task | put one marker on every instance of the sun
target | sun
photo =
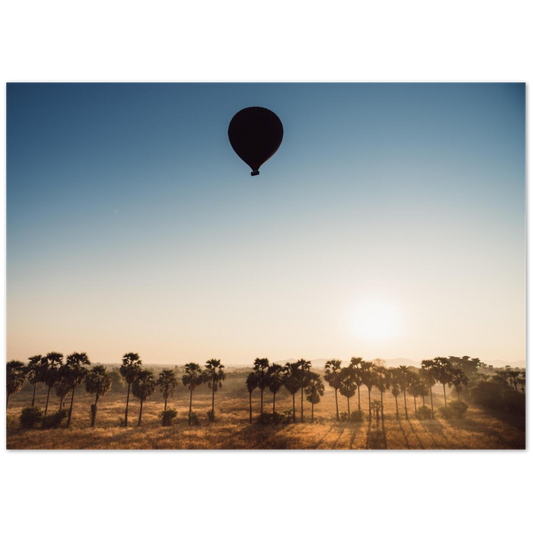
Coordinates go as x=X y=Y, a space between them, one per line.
x=376 y=321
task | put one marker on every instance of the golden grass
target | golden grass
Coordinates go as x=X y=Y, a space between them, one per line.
x=232 y=430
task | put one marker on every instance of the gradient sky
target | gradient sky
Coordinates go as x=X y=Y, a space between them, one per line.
x=133 y=226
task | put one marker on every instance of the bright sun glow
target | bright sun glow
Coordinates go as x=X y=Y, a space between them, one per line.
x=377 y=321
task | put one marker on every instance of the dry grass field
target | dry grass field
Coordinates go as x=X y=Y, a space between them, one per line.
x=232 y=430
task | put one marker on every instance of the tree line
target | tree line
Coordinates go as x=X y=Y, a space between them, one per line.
x=298 y=378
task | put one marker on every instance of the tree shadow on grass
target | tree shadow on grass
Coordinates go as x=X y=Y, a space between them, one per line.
x=421 y=446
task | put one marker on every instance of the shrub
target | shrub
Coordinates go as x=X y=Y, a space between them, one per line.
x=210 y=416
x=275 y=418
x=514 y=401
x=167 y=417
x=30 y=417
x=356 y=416
x=423 y=413
x=489 y=394
x=453 y=410
x=54 y=420
x=195 y=419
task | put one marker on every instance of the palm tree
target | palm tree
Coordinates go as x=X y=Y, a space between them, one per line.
x=143 y=387
x=459 y=379
x=261 y=368
x=251 y=385
x=275 y=382
x=15 y=377
x=192 y=378
x=404 y=377
x=427 y=374
x=129 y=369
x=333 y=378
x=368 y=380
x=443 y=372
x=417 y=388
x=167 y=383
x=290 y=382
x=35 y=374
x=98 y=382
x=313 y=391
x=62 y=385
x=214 y=376
x=348 y=385
x=303 y=376
x=356 y=367
x=382 y=381
x=51 y=365
x=76 y=364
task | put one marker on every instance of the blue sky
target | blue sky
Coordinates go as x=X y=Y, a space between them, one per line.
x=132 y=224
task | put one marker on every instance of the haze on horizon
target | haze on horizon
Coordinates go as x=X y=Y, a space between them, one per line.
x=390 y=223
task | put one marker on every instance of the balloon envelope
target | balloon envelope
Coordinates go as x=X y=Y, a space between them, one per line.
x=255 y=133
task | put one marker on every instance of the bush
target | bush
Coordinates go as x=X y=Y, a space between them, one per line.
x=30 y=417
x=195 y=419
x=356 y=416
x=488 y=394
x=210 y=416
x=54 y=420
x=423 y=413
x=167 y=417
x=514 y=401
x=453 y=410
x=275 y=418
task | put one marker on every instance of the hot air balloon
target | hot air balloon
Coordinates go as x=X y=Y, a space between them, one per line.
x=255 y=133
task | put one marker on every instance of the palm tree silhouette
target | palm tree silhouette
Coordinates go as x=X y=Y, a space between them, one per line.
x=333 y=378
x=275 y=382
x=367 y=378
x=347 y=385
x=35 y=374
x=251 y=385
x=302 y=376
x=443 y=372
x=427 y=374
x=51 y=365
x=62 y=385
x=76 y=371
x=167 y=383
x=404 y=377
x=459 y=379
x=130 y=368
x=143 y=387
x=15 y=377
x=356 y=368
x=261 y=368
x=382 y=380
x=98 y=382
x=214 y=376
x=291 y=383
x=313 y=391
x=192 y=378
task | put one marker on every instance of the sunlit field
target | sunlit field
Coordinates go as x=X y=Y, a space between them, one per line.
x=479 y=429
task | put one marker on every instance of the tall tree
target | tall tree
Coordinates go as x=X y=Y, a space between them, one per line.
x=382 y=381
x=395 y=387
x=192 y=378
x=261 y=368
x=275 y=382
x=167 y=383
x=348 y=385
x=459 y=380
x=76 y=364
x=214 y=376
x=62 y=385
x=303 y=376
x=313 y=391
x=417 y=388
x=98 y=382
x=368 y=380
x=333 y=378
x=427 y=374
x=291 y=383
x=15 y=377
x=142 y=388
x=51 y=365
x=35 y=374
x=443 y=372
x=356 y=369
x=404 y=377
x=129 y=369
x=251 y=385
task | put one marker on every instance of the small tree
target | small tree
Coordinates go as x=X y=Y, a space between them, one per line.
x=130 y=368
x=98 y=382
x=76 y=364
x=192 y=378
x=167 y=383
x=275 y=382
x=251 y=385
x=35 y=374
x=142 y=388
x=214 y=375
x=333 y=378
x=15 y=377
x=313 y=392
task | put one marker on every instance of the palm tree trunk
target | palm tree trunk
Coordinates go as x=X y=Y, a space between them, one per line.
x=47 y=398
x=369 y=405
x=274 y=403
x=381 y=399
x=444 y=388
x=294 y=408
x=33 y=397
x=213 y=403
x=71 y=405
x=140 y=414
x=93 y=421
x=302 y=404
x=250 y=394
x=261 y=401
x=312 y=412
x=431 y=399
x=423 y=400
x=166 y=398
x=190 y=407
x=416 y=410
x=7 y=400
x=397 y=412
x=405 y=405
x=358 y=397
x=127 y=405
x=348 y=398
x=337 y=404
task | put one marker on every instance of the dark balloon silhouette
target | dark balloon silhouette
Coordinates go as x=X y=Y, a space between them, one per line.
x=255 y=133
